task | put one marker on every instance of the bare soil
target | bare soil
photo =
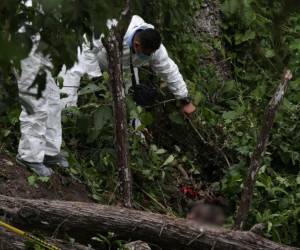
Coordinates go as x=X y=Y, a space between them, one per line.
x=14 y=183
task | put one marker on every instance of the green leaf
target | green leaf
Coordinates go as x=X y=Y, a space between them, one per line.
x=229 y=86
x=176 y=118
x=231 y=115
x=91 y=88
x=259 y=92
x=169 y=160
x=244 y=37
x=230 y=7
x=146 y=172
x=298 y=180
x=147 y=118
x=43 y=178
x=198 y=97
x=161 y=151
x=153 y=147
x=6 y=132
x=269 y=53
x=270 y=225
x=60 y=81
x=295 y=45
x=32 y=180
x=102 y=116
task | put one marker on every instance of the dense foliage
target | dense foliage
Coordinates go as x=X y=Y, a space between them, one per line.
x=260 y=39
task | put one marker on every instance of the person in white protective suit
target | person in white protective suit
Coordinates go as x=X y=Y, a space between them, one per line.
x=41 y=132
x=72 y=77
x=143 y=44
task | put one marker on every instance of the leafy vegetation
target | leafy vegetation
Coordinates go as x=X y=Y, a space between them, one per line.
x=260 y=39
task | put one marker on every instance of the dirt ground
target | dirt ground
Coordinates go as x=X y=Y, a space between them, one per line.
x=14 y=182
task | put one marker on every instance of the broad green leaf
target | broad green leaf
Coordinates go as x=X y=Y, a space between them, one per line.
x=298 y=180
x=169 y=160
x=295 y=45
x=198 y=97
x=269 y=53
x=60 y=81
x=248 y=35
x=102 y=116
x=147 y=118
x=43 y=178
x=32 y=180
x=176 y=118
x=231 y=115
x=230 y=7
x=91 y=88
x=161 y=151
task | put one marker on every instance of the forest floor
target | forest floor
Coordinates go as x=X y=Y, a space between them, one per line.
x=14 y=182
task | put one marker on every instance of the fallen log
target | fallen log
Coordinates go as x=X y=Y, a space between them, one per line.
x=84 y=220
x=9 y=241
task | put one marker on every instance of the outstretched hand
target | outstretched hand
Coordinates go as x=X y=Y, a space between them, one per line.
x=188 y=109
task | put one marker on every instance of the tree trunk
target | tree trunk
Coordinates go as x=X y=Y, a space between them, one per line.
x=9 y=241
x=259 y=151
x=84 y=220
x=207 y=27
x=112 y=46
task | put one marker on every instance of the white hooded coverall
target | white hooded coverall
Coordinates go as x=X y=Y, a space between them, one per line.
x=41 y=128
x=93 y=61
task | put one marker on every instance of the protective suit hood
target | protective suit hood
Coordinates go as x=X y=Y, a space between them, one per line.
x=137 y=23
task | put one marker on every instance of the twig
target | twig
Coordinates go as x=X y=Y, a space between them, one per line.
x=163 y=195
x=183 y=172
x=162 y=103
x=197 y=237
x=113 y=193
x=54 y=235
x=196 y=130
x=209 y=143
x=162 y=228
x=213 y=246
x=155 y=200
